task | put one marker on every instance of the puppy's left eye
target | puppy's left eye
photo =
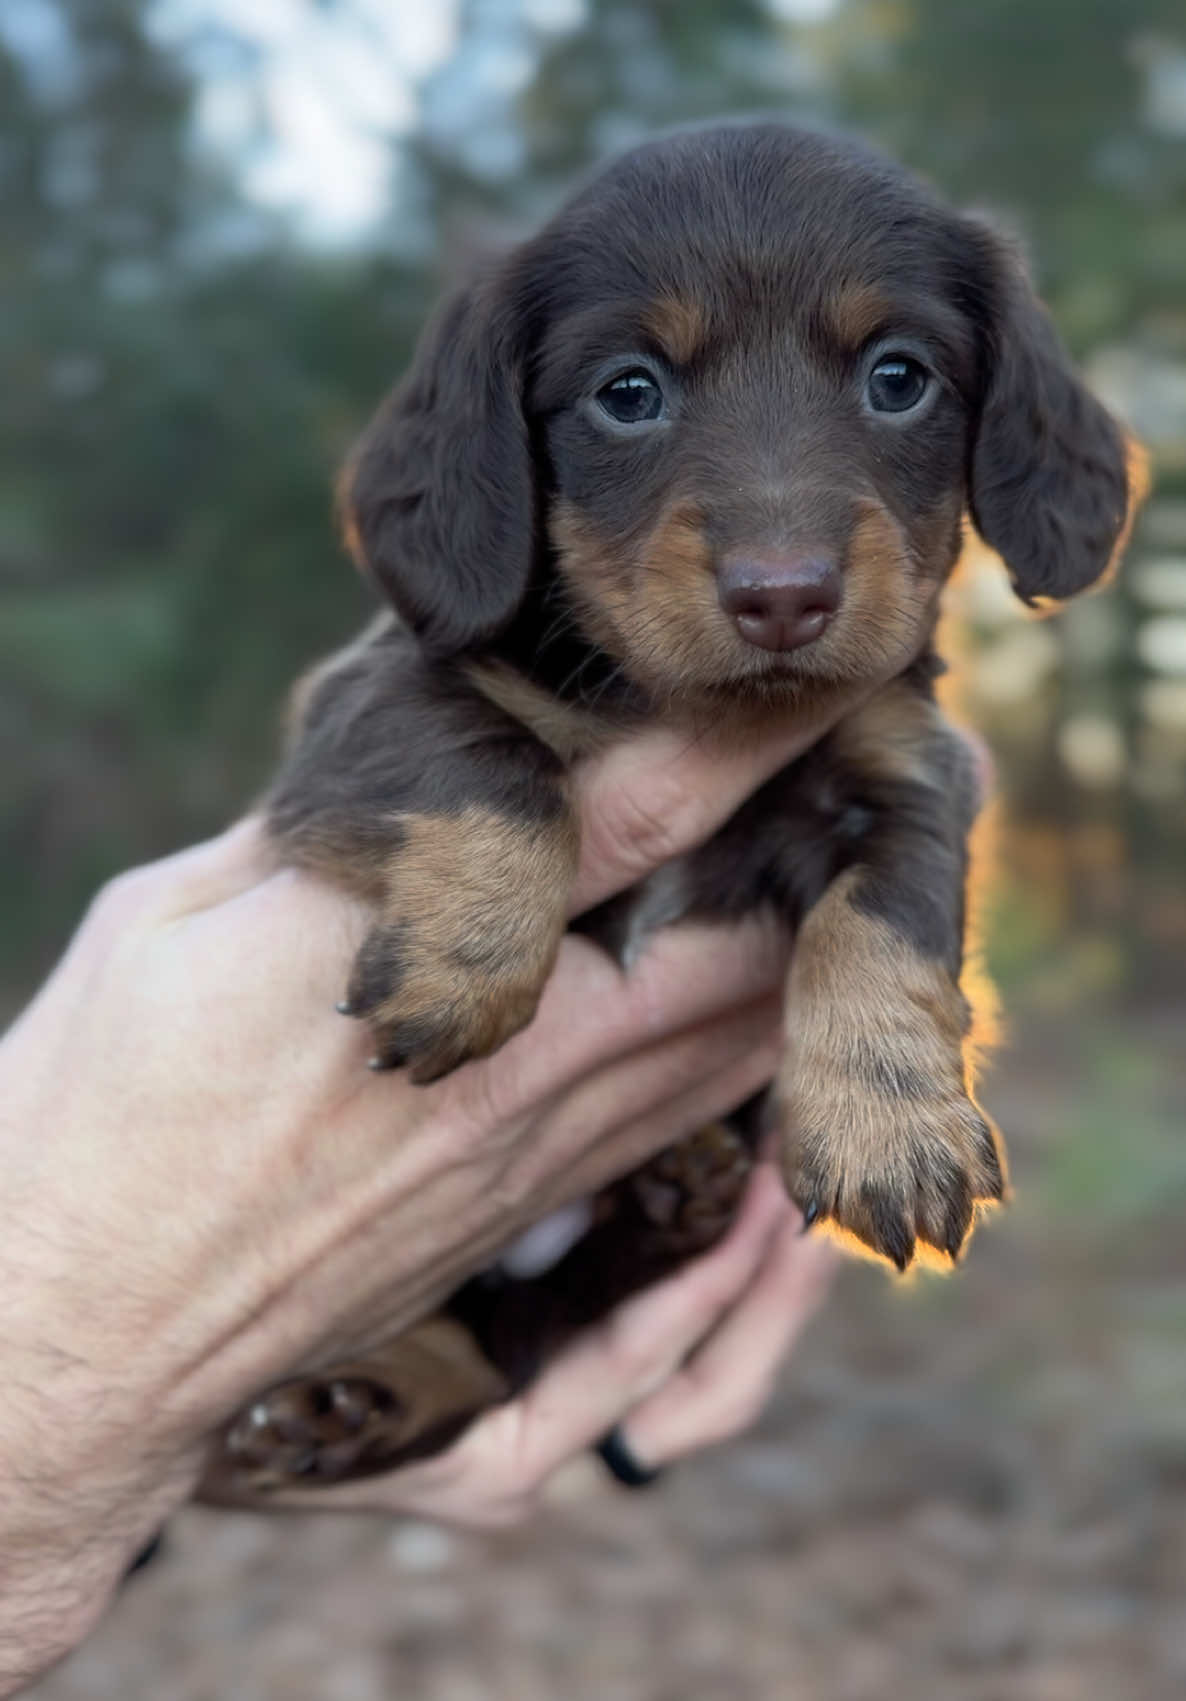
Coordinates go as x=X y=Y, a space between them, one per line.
x=634 y=398
x=897 y=383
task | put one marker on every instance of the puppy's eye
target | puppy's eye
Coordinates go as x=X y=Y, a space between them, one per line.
x=633 y=399
x=896 y=384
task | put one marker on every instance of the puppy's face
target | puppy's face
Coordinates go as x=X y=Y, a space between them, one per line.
x=728 y=410
x=757 y=439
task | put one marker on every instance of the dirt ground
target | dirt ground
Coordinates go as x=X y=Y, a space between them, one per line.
x=973 y=1489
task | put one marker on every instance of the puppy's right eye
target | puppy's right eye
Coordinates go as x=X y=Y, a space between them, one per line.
x=634 y=398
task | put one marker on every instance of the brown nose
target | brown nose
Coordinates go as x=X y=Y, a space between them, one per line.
x=779 y=603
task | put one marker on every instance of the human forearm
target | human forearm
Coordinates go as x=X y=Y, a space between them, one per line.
x=205 y=1189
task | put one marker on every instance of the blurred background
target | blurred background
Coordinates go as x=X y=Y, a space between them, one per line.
x=223 y=221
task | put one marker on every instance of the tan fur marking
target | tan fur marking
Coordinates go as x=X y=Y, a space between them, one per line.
x=1139 y=477
x=887 y=737
x=566 y=728
x=866 y=1010
x=436 y=1374
x=679 y=325
x=678 y=622
x=344 y=510
x=655 y=609
x=658 y=614
x=888 y=608
x=476 y=907
x=599 y=579
x=856 y=312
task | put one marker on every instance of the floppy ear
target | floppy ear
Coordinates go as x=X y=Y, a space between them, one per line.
x=1048 y=485
x=437 y=500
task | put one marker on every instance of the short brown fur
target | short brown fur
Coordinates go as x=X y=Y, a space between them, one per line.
x=874 y=1094
x=857 y=312
x=679 y=325
x=468 y=928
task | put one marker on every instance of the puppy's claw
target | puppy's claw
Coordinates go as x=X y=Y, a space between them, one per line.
x=959 y=1221
x=992 y=1163
x=897 y=1242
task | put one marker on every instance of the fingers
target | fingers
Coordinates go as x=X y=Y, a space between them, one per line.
x=681 y=1366
x=592 y=1015
x=743 y=1069
x=493 y=1475
x=645 y=801
x=724 y=1386
x=641 y=1345
x=617 y=1120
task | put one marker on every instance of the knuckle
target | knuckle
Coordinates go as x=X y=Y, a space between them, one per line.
x=122 y=898
x=641 y=832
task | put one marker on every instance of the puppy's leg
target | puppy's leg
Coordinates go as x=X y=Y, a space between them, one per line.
x=861 y=847
x=879 y=1130
x=401 y=1402
x=407 y=786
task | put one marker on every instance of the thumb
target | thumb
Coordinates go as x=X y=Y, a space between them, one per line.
x=665 y=791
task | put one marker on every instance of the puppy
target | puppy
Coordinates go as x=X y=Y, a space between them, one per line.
x=700 y=450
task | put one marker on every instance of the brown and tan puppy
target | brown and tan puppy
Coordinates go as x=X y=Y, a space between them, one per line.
x=700 y=450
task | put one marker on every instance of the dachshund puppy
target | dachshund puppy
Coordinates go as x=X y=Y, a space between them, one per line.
x=702 y=449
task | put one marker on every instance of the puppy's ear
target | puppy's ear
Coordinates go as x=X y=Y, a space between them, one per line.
x=1048 y=487
x=437 y=500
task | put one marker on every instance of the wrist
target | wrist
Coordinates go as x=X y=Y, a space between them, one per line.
x=81 y=1493
x=85 y=1476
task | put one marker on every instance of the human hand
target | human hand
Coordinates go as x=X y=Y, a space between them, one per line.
x=679 y=1367
x=207 y=1190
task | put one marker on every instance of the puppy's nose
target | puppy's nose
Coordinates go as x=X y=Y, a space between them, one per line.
x=779 y=602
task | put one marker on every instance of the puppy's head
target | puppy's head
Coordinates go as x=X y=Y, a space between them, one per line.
x=729 y=408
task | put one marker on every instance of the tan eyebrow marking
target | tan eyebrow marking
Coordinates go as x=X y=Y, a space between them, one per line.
x=679 y=325
x=856 y=312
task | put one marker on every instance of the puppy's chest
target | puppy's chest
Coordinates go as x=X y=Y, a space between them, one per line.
x=778 y=851
x=777 y=854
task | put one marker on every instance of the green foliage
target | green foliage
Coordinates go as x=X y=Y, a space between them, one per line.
x=1039 y=108
x=1117 y=1157
x=180 y=378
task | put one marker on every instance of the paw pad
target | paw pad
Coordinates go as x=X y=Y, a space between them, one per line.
x=312 y=1429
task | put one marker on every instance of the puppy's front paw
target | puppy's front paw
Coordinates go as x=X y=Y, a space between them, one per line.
x=435 y=1003
x=896 y=1172
x=879 y=1133
x=473 y=915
